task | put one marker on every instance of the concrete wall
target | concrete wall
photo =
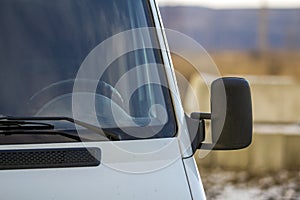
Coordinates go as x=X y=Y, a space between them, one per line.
x=276 y=139
x=275 y=99
x=268 y=152
x=276 y=102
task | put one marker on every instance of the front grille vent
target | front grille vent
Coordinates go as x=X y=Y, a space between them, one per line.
x=49 y=158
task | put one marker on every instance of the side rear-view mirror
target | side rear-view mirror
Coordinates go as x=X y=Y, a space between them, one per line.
x=231 y=116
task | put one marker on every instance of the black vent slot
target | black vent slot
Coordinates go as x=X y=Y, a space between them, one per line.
x=49 y=158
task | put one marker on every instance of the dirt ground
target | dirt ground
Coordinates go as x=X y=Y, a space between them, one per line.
x=224 y=184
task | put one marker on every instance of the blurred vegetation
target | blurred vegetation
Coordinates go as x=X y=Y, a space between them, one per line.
x=278 y=63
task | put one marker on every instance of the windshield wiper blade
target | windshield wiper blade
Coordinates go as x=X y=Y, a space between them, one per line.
x=37 y=118
x=23 y=125
x=107 y=134
x=31 y=132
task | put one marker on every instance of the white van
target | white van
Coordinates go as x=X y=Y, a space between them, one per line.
x=90 y=109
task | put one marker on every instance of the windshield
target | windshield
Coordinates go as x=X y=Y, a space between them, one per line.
x=45 y=47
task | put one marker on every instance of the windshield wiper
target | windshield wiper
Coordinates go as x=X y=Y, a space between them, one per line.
x=39 y=126
x=24 y=125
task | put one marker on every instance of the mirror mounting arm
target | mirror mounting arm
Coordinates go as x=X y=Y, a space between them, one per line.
x=196 y=129
x=200 y=116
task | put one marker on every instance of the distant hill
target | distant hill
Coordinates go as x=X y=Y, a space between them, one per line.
x=236 y=29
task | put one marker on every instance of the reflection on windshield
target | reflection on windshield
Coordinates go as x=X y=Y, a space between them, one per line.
x=43 y=45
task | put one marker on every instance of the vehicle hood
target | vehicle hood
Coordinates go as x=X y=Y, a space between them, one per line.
x=145 y=169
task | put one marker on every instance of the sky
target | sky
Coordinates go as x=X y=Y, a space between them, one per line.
x=234 y=3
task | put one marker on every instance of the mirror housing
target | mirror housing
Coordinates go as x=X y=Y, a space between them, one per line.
x=231 y=115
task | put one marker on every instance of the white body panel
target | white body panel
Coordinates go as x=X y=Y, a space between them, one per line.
x=194 y=179
x=160 y=176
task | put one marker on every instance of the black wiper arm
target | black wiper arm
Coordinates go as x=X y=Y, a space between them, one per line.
x=47 y=132
x=37 y=118
x=109 y=135
x=24 y=125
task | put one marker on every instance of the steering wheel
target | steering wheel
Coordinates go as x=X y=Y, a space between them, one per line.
x=55 y=90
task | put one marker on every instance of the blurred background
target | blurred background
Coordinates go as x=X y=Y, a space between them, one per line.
x=258 y=40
